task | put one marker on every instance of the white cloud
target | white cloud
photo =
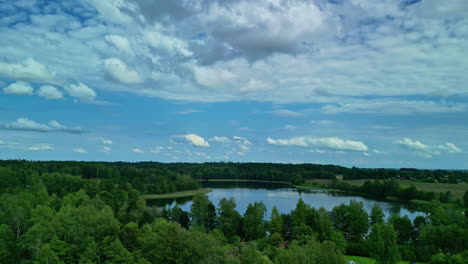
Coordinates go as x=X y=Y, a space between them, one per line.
x=326 y=143
x=428 y=150
x=240 y=153
x=243 y=143
x=81 y=91
x=196 y=140
x=137 y=150
x=157 y=150
x=40 y=147
x=189 y=111
x=220 y=139
x=50 y=92
x=18 y=88
x=105 y=141
x=30 y=125
x=395 y=107
x=118 y=71
x=322 y=122
x=286 y=113
x=105 y=149
x=79 y=150
x=28 y=70
x=122 y=43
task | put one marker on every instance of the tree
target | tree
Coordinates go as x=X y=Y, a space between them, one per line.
x=229 y=220
x=253 y=226
x=276 y=222
x=7 y=245
x=382 y=244
x=465 y=199
x=377 y=215
x=250 y=255
x=352 y=220
x=203 y=212
x=301 y=213
x=403 y=228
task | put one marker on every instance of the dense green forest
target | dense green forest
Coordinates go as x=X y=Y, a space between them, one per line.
x=144 y=173
x=92 y=212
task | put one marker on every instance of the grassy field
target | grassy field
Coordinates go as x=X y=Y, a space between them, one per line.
x=175 y=194
x=364 y=260
x=458 y=190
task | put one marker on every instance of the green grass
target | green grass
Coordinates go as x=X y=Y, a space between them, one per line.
x=364 y=260
x=175 y=194
x=458 y=190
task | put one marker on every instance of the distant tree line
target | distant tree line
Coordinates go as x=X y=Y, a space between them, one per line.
x=143 y=174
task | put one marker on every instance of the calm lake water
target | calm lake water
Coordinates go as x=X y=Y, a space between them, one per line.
x=285 y=198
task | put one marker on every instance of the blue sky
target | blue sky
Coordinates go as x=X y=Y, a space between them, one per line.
x=356 y=83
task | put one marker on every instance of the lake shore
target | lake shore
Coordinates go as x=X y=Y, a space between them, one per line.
x=173 y=195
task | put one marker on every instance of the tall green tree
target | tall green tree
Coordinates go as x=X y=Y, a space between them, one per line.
x=382 y=244
x=229 y=220
x=403 y=228
x=352 y=220
x=7 y=245
x=203 y=212
x=377 y=215
x=253 y=225
x=276 y=222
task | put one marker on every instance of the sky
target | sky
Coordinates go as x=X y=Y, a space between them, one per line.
x=348 y=82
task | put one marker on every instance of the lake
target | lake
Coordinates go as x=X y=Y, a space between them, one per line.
x=285 y=198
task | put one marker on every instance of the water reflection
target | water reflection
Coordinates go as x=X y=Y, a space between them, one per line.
x=285 y=198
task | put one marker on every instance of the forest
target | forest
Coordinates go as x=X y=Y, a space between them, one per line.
x=92 y=212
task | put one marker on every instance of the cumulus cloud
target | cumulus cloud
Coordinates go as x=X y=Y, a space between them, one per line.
x=81 y=91
x=50 y=92
x=18 y=88
x=325 y=52
x=106 y=141
x=196 y=140
x=137 y=150
x=118 y=71
x=286 y=113
x=220 y=139
x=332 y=143
x=240 y=142
x=428 y=150
x=28 y=70
x=79 y=150
x=40 y=147
x=122 y=43
x=26 y=124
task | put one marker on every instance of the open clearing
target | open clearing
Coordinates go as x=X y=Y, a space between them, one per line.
x=458 y=190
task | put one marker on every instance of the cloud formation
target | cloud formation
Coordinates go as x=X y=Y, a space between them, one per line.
x=332 y=143
x=27 y=70
x=25 y=124
x=118 y=71
x=428 y=150
x=196 y=140
x=81 y=91
x=18 y=88
x=50 y=92
x=79 y=150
